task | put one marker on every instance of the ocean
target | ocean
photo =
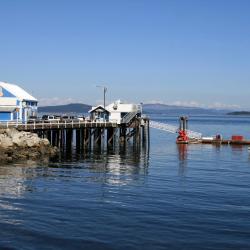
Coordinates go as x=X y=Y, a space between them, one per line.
x=166 y=196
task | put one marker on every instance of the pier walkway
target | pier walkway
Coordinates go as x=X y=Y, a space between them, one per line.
x=173 y=129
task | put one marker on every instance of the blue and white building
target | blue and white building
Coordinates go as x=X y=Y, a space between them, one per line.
x=15 y=103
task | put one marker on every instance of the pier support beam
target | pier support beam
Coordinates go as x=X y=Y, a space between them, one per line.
x=110 y=136
x=78 y=135
x=123 y=133
x=103 y=135
x=69 y=137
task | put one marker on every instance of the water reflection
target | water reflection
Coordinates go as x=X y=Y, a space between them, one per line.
x=12 y=180
x=12 y=184
x=182 y=155
x=237 y=148
x=118 y=165
x=121 y=165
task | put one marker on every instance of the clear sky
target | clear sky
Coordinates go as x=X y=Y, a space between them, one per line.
x=193 y=52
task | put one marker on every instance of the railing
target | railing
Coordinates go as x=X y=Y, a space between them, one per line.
x=55 y=124
x=128 y=117
x=194 y=135
x=164 y=126
x=173 y=129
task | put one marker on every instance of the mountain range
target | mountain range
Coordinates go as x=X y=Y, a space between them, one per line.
x=180 y=110
x=155 y=108
x=67 y=108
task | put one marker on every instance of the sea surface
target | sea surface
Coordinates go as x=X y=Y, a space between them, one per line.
x=163 y=197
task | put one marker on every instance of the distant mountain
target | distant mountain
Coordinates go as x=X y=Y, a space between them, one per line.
x=157 y=108
x=68 y=108
x=147 y=109
x=239 y=113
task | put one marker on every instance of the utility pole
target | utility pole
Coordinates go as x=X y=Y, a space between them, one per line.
x=104 y=93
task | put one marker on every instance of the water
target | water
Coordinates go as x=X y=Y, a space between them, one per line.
x=170 y=197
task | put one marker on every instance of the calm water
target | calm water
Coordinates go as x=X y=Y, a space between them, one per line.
x=170 y=197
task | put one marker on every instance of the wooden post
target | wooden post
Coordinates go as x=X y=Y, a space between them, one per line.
x=98 y=136
x=53 y=137
x=123 y=133
x=148 y=130
x=144 y=132
x=48 y=132
x=78 y=139
x=86 y=136
x=90 y=138
x=83 y=137
x=62 y=138
x=137 y=136
x=110 y=136
x=69 y=136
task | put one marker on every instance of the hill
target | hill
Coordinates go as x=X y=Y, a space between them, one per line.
x=239 y=113
x=68 y=108
x=179 y=110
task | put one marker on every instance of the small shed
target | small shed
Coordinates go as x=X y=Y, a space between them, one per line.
x=99 y=113
x=15 y=103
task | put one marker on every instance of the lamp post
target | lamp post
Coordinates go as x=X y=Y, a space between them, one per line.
x=104 y=93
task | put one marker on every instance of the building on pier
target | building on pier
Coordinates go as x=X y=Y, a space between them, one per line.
x=99 y=113
x=15 y=103
x=122 y=112
x=118 y=112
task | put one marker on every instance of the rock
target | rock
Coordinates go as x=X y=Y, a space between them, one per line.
x=6 y=142
x=16 y=146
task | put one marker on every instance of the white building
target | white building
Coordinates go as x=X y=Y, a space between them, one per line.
x=119 y=112
x=15 y=103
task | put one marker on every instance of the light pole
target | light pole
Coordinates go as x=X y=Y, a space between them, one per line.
x=141 y=107
x=104 y=93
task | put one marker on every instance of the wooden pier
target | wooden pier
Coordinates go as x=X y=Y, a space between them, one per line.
x=87 y=134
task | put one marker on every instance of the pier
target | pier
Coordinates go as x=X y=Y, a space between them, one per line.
x=87 y=134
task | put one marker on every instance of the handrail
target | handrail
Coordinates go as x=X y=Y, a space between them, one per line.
x=52 y=124
x=128 y=117
x=173 y=129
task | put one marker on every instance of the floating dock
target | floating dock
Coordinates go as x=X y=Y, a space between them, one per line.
x=186 y=136
x=226 y=142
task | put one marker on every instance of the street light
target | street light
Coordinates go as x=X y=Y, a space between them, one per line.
x=104 y=93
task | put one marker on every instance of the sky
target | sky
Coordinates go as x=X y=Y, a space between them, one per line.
x=184 y=52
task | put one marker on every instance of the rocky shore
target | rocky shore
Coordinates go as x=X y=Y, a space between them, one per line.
x=19 y=146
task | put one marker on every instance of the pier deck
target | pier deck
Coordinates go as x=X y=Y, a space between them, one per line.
x=87 y=133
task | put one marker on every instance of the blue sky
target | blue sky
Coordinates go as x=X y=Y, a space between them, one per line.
x=192 y=52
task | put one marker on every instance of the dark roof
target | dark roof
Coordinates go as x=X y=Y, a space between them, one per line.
x=99 y=108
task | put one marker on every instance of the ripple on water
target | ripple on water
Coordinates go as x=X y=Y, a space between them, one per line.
x=172 y=197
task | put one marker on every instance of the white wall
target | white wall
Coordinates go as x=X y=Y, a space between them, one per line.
x=115 y=117
x=117 y=108
x=8 y=101
x=124 y=108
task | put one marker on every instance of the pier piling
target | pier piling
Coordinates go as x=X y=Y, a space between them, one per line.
x=85 y=135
